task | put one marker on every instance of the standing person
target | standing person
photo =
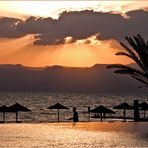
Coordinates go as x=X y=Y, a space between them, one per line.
x=124 y=114
x=75 y=115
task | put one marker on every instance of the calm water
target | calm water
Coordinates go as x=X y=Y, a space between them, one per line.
x=67 y=135
x=38 y=103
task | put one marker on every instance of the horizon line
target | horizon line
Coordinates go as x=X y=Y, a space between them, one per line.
x=56 y=65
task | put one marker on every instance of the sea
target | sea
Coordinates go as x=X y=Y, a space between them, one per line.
x=38 y=102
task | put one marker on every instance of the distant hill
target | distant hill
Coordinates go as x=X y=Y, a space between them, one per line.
x=66 y=79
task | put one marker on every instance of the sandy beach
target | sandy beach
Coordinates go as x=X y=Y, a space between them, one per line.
x=79 y=135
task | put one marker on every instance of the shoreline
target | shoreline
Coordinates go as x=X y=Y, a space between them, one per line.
x=106 y=119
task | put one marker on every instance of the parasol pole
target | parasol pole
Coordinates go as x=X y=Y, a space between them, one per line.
x=101 y=116
x=58 y=115
x=144 y=113
x=89 y=113
x=124 y=112
x=16 y=116
x=4 y=117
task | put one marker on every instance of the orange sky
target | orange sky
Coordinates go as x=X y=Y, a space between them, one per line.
x=79 y=54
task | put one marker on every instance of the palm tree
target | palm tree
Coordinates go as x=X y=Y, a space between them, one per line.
x=138 y=52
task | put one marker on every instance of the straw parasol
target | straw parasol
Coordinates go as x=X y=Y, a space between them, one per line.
x=57 y=106
x=125 y=107
x=143 y=106
x=101 y=109
x=16 y=108
x=3 y=109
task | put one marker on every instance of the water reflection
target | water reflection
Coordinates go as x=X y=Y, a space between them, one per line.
x=80 y=135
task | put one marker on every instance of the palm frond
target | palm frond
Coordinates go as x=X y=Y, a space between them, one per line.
x=133 y=57
x=125 y=67
x=139 y=46
x=140 y=79
x=139 y=53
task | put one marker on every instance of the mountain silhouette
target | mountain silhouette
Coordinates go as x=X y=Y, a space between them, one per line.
x=56 y=78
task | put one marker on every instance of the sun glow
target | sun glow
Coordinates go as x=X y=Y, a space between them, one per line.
x=76 y=53
x=42 y=8
x=22 y=51
x=25 y=9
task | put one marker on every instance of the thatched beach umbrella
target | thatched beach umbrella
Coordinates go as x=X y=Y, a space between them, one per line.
x=125 y=107
x=143 y=106
x=58 y=106
x=16 y=108
x=3 y=109
x=101 y=109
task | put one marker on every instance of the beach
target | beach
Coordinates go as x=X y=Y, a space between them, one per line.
x=78 y=135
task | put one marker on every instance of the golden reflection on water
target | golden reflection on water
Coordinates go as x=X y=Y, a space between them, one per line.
x=108 y=126
x=80 y=135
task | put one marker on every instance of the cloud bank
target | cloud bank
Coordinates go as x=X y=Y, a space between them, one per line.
x=78 y=25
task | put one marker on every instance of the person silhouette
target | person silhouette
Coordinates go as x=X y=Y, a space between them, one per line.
x=75 y=115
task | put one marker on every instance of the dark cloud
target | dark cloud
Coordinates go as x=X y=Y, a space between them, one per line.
x=78 y=25
x=8 y=27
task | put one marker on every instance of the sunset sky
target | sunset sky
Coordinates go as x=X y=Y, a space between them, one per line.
x=68 y=33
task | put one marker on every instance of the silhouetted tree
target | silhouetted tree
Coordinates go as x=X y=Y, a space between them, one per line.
x=138 y=52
